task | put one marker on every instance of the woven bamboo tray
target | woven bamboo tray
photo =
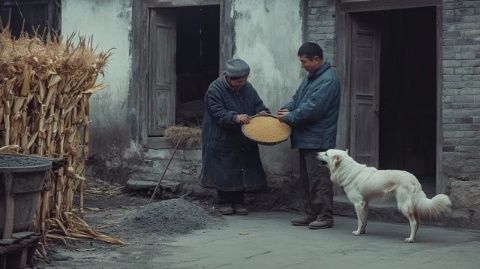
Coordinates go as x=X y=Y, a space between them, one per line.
x=266 y=130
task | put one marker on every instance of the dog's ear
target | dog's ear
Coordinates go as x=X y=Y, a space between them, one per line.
x=336 y=159
x=346 y=151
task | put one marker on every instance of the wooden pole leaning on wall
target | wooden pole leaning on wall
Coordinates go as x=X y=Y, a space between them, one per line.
x=179 y=137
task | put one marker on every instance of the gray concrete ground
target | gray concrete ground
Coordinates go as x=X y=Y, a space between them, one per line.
x=267 y=240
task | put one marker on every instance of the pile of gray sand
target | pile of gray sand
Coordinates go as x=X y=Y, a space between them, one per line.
x=174 y=216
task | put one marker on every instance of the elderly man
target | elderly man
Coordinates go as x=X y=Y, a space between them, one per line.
x=230 y=162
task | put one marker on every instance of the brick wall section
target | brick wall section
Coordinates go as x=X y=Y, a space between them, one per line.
x=460 y=99
x=320 y=26
x=461 y=89
x=461 y=107
x=461 y=78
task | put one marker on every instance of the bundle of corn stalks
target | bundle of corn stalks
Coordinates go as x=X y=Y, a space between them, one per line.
x=45 y=85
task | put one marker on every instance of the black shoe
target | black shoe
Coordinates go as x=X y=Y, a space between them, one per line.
x=303 y=221
x=320 y=223
x=240 y=209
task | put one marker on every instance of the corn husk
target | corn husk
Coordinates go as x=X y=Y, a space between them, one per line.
x=45 y=84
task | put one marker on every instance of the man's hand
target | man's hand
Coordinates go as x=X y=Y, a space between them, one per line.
x=242 y=119
x=282 y=113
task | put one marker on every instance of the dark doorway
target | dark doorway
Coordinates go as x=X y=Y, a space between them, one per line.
x=31 y=16
x=393 y=91
x=183 y=59
x=407 y=118
x=197 y=59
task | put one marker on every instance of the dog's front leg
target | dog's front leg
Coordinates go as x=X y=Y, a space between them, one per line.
x=361 y=208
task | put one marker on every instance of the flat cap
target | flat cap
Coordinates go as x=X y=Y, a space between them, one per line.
x=236 y=68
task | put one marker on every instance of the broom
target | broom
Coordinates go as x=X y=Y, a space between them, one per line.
x=179 y=136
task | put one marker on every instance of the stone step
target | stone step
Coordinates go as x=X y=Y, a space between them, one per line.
x=378 y=211
x=147 y=184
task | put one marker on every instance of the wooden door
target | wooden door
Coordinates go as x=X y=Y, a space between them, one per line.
x=364 y=81
x=161 y=71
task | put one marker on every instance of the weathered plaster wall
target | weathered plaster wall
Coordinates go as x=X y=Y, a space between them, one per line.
x=461 y=108
x=109 y=22
x=267 y=36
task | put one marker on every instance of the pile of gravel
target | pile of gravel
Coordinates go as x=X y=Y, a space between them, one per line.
x=174 y=216
x=12 y=161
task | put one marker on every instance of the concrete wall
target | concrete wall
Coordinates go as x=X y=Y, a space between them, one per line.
x=109 y=22
x=267 y=36
x=461 y=107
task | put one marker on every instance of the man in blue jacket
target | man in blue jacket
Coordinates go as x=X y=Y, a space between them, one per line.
x=312 y=114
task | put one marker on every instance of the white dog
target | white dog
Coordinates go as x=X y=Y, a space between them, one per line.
x=363 y=184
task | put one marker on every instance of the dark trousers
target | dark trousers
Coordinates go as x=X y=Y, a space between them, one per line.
x=230 y=197
x=315 y=185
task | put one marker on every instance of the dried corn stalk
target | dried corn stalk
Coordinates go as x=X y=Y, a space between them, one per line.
x=45 y=85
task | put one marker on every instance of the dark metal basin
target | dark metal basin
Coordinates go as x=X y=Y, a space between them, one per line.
x=21 y=181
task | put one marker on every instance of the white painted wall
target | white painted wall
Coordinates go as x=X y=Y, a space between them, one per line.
x=268 y=34
x=109 y=22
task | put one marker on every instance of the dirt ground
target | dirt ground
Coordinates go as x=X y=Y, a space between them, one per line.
x=145 y=228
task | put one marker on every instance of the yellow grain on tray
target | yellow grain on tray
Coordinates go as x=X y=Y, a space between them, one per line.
x=266 y=129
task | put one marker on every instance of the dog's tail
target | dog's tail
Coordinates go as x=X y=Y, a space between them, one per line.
x=433 y=207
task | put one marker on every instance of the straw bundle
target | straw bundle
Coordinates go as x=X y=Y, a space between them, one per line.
x=45 y=85
x=183 y=136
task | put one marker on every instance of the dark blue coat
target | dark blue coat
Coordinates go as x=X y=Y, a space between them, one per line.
x=230 y=162
x=314 y=110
